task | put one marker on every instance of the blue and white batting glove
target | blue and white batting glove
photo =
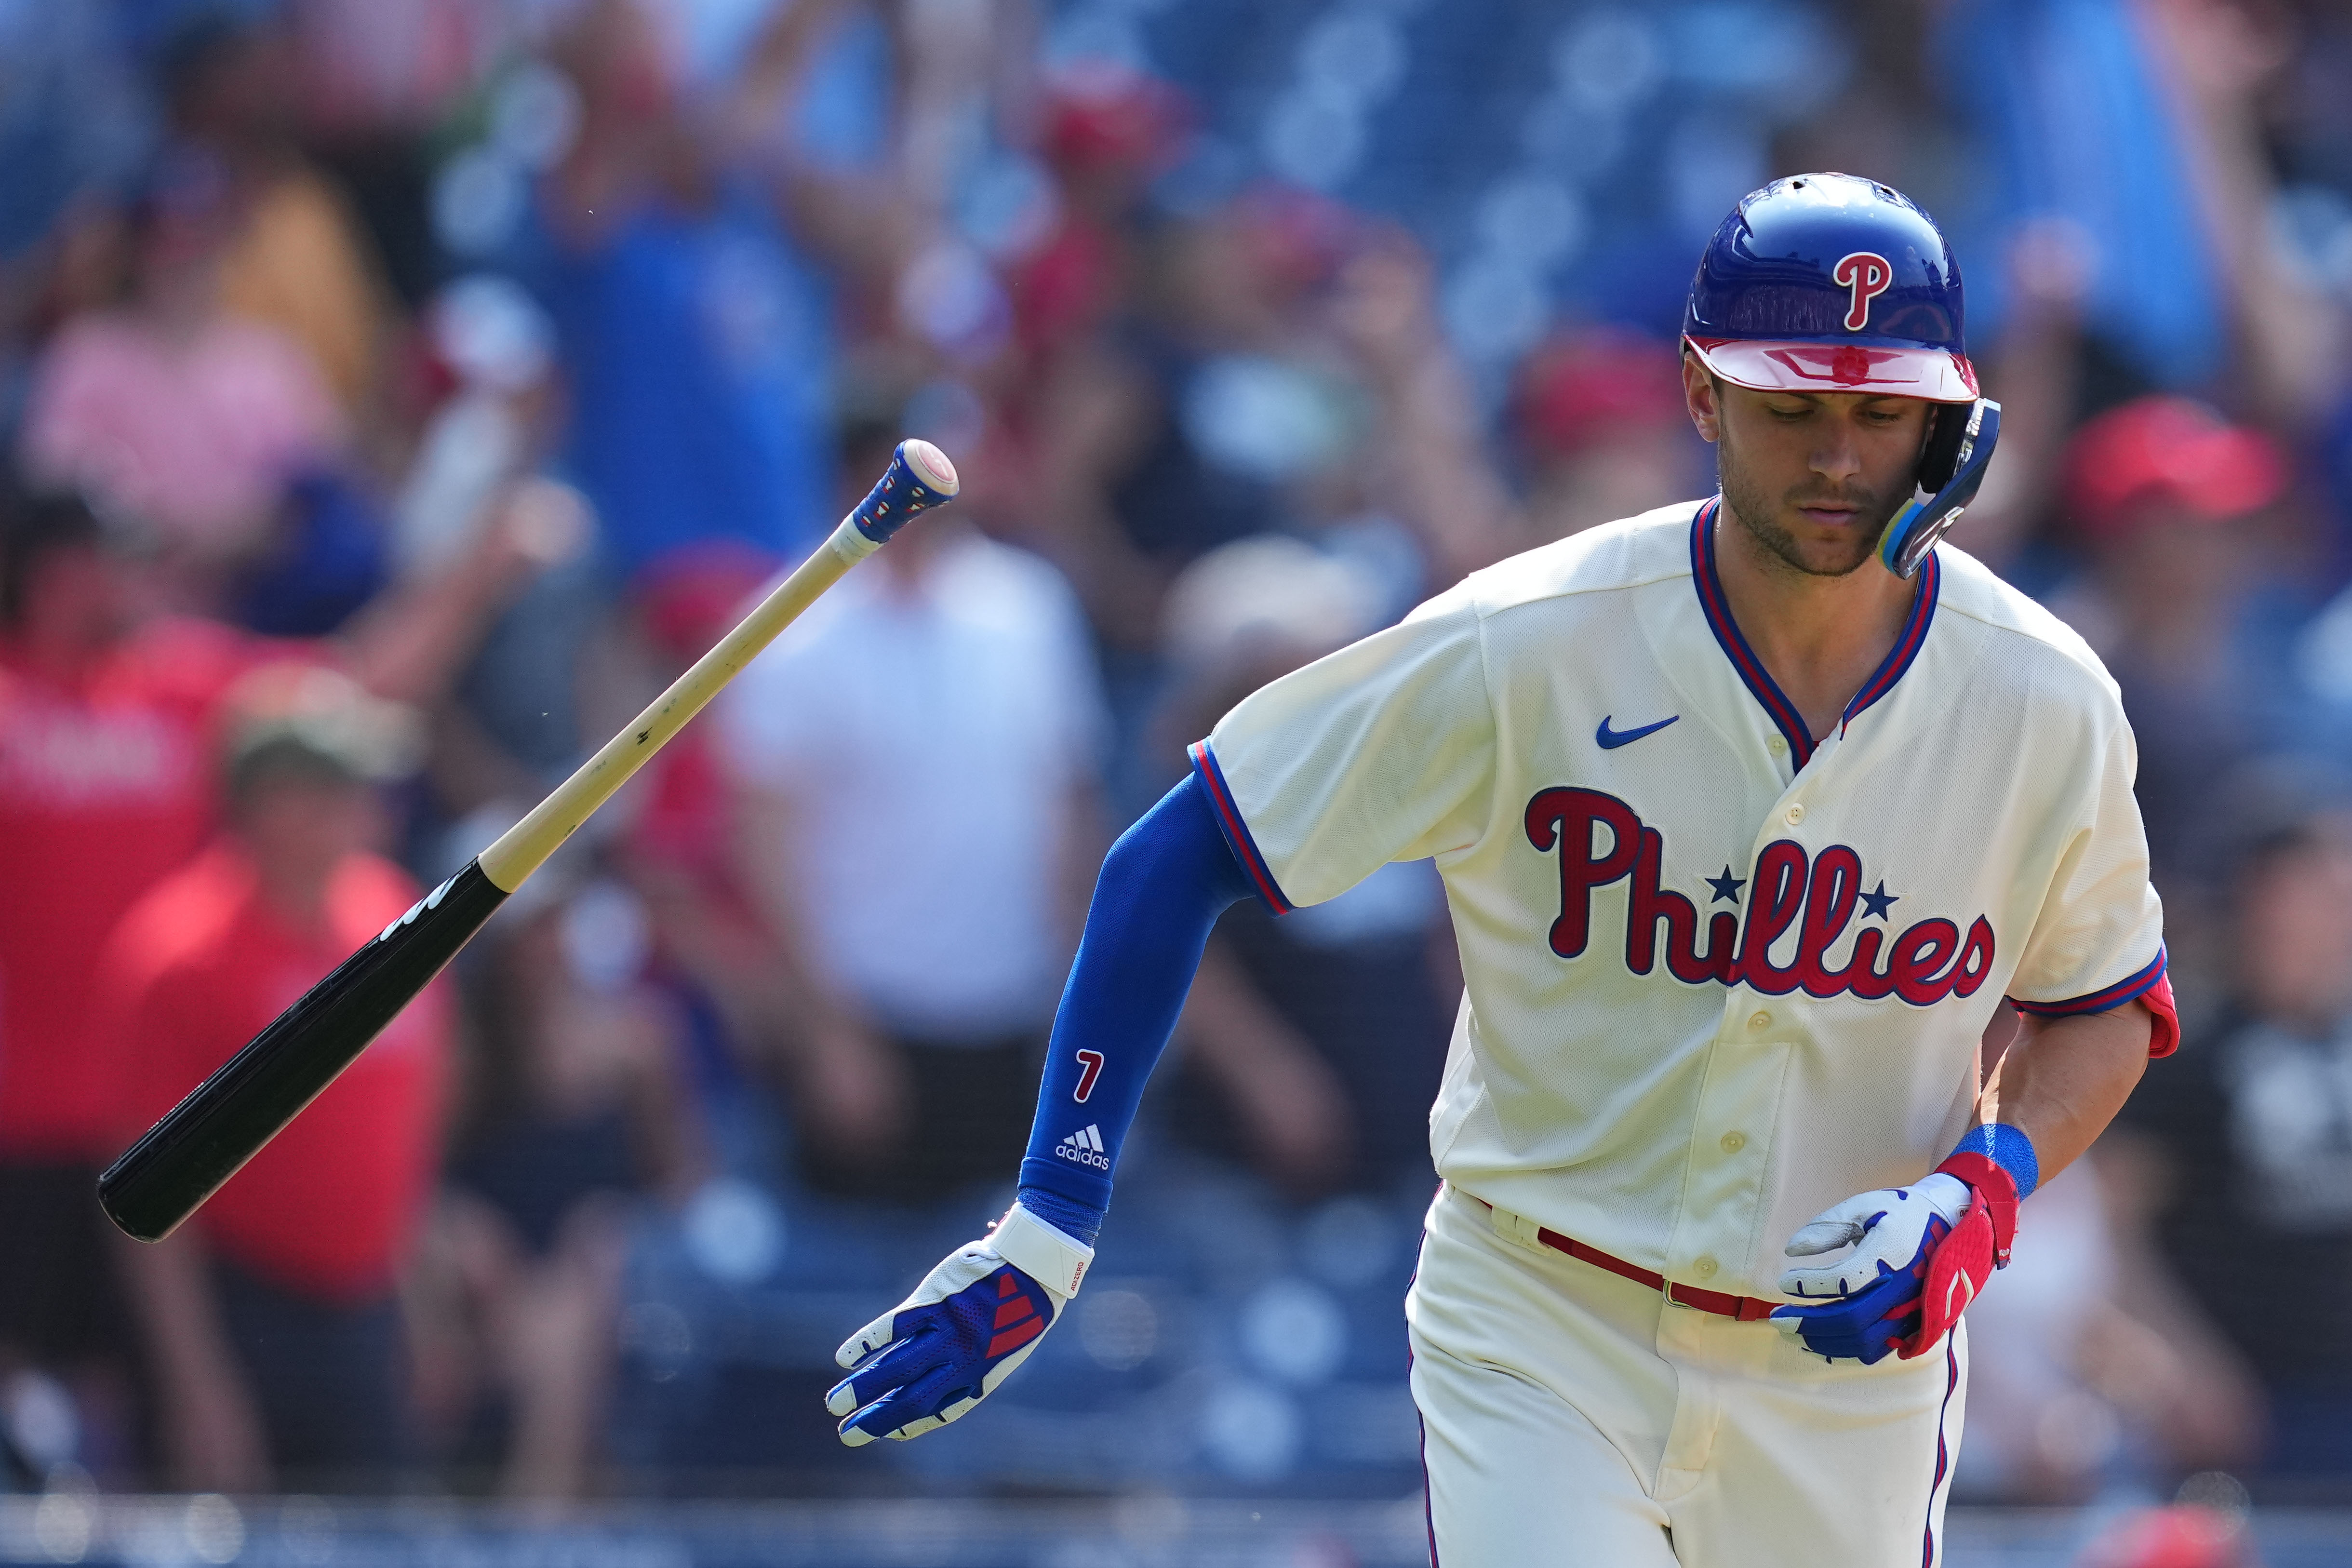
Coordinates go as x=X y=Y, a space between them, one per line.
x=971 y=1321
x=1874 y=1290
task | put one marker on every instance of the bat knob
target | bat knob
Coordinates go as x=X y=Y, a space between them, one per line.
x=920 y=477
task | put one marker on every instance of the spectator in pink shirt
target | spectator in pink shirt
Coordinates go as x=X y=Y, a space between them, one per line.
x=170 y=412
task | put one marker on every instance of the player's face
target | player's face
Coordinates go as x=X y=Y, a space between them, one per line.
x=1813 y=475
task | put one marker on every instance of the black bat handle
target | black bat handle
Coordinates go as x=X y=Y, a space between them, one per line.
x=202 y=1141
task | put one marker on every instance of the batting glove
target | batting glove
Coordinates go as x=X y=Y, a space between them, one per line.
x=1920 y=1255
x=971 y=1321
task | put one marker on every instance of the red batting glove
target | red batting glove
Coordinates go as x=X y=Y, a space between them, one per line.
x=1979 y=1243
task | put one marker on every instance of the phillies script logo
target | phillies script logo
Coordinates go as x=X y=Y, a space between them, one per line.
x=1865 y=275
x=1814 y=895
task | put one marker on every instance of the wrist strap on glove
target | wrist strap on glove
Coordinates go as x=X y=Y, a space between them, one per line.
x=1960 y=1263
x=1040 y=1251
x=1994 y=1191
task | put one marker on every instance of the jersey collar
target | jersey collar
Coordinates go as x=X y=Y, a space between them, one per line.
x=1766 y=691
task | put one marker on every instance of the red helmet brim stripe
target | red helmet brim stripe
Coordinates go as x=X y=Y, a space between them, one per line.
x=1937 y=375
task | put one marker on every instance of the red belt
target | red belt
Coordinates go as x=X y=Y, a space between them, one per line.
x=1722 y=1303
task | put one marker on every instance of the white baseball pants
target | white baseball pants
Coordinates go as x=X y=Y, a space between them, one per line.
x=1574 y=1419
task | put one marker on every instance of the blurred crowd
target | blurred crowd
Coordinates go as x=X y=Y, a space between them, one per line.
x=395 y=394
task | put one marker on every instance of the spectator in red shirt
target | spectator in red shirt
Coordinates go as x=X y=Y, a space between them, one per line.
x=107 y=728
x=270 y=1320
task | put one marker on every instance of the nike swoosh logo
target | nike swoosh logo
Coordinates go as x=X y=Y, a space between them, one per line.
x=1610 y=739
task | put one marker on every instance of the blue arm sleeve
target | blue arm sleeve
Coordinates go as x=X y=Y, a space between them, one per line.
x=1162 y=886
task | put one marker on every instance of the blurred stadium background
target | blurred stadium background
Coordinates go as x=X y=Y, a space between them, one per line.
x=394 y=392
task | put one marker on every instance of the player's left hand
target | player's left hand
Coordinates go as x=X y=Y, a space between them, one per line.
x=971 y=1321
x=1918 y=1255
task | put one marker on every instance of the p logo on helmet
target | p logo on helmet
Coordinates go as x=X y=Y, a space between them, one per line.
x=1865 y=275
x=1813 y=272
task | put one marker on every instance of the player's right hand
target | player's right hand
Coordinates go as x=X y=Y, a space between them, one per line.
x=971 y=1321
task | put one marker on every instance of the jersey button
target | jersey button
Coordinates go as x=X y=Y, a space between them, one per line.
x=1775 y=745
x=1704 y=1267
x=1760 y=1020
x=1794 y=815
x=1733 y=1143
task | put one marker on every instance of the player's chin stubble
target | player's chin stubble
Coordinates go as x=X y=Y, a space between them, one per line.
x=1757 y=511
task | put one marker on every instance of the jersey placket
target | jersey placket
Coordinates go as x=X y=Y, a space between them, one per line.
x=1733 y=1127
x=1733 y=1124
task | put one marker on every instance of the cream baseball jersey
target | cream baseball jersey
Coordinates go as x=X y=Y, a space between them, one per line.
x=1717 y=976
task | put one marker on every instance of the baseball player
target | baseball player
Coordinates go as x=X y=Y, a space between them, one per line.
x=1750 y=811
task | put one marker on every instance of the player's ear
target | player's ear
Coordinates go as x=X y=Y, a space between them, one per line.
x=1700 y=396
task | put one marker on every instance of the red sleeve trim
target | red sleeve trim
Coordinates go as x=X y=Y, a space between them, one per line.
x=1236 y=831
x=2165 y=1038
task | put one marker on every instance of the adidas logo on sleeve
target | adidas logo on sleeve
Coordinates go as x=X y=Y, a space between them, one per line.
x=1084 y=1147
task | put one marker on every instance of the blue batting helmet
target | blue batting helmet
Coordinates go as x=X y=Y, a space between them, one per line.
x=1831 y=283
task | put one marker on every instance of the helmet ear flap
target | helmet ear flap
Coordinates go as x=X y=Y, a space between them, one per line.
x=1948 y=427
x=1960 y=440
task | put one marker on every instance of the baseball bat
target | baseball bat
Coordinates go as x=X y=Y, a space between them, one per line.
x=226 y=1120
